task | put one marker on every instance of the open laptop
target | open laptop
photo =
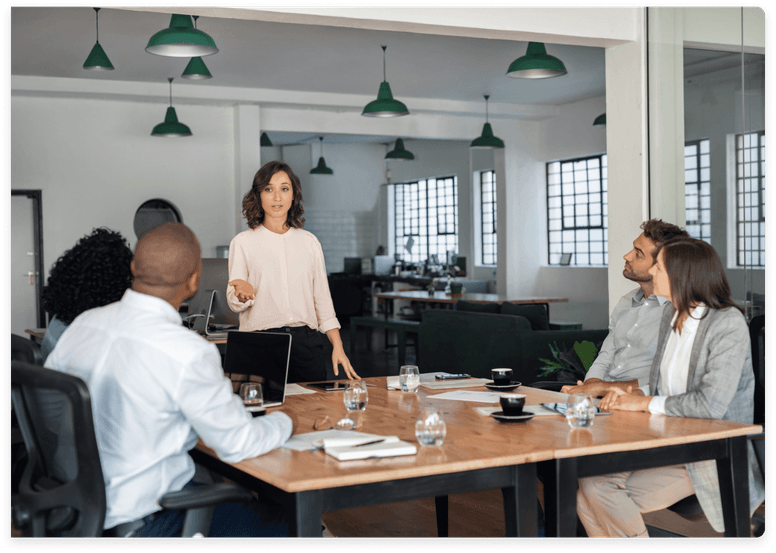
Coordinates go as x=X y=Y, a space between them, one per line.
x=212 y=330
x=264 y=355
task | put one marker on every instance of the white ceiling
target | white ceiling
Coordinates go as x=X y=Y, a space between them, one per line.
x=54 y=42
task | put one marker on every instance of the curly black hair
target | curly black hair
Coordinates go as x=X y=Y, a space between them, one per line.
x=93 y=273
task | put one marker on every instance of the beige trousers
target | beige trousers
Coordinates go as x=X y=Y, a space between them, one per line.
x=611 y=505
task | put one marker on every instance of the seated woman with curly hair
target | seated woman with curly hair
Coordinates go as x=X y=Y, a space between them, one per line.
x=93 y=273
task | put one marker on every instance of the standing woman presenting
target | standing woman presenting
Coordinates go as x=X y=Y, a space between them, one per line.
x=277 y=276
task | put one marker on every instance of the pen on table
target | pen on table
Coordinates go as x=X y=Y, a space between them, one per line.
x=370 y=443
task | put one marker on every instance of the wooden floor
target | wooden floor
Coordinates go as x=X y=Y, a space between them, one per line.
x=474 y=515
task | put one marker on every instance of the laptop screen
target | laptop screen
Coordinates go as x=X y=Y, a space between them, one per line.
x=260 y=354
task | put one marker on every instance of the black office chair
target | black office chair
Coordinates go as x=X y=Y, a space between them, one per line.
x=62 y=491
x=25 y=350
x=689 y=507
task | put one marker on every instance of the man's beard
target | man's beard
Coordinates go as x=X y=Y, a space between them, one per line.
x=630 y=275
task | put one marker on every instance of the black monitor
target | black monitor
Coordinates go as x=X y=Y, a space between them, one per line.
x=353 y=265
x=215 y=276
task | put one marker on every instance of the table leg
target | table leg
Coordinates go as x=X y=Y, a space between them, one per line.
x=733 y=475
x=441 y=505
x=520 y=503
x=559 y=478
x=305 y=519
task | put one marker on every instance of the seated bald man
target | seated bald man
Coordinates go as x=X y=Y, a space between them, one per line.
x=156 y=389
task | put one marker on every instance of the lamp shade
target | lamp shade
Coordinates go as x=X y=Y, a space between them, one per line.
x=196 y=70
x=600 y=121
x=98 y=60
x=399 y=152
x=171 y=127
x=264 y=140
x=536 y=64
x=385 y=105
x=321 y=169
x=181 y=40
x=487 y=140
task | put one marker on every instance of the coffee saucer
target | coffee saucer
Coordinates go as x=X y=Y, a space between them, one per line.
x=500 y=416
x=504 y=387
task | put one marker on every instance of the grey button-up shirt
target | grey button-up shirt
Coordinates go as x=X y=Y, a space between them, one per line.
x=627 y=352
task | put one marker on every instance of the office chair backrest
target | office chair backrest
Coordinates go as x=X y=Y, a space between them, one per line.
x=25 y=350
x=61 y=491
x=757 y=336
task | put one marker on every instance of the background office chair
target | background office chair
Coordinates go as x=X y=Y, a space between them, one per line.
x=25 y=350
x=61 y=491
x=689 y=507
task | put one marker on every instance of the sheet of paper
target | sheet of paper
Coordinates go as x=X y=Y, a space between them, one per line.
x=303 y=442
x=392 y=382
x=465 y=395
x=535 y=409
x=462 y=383
x=294 y=389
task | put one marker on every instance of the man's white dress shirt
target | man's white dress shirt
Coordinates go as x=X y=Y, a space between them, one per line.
x=156 y=388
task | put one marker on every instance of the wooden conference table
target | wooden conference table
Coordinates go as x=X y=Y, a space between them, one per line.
x=481 y=453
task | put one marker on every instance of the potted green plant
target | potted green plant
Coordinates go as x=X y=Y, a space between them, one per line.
x=571 y=365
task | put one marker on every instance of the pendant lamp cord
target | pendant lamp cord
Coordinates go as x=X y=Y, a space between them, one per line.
x=384 y=47
x=170 y=79
x=97 y=22
x=321 y=139
x=486 y=107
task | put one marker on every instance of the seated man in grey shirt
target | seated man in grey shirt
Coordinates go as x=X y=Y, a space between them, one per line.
x=626 y=354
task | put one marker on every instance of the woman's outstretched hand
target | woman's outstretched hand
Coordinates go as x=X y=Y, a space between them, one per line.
x=242 y=289
x=338 y=357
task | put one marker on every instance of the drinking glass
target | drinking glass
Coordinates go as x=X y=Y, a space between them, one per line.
x=430 y=429
x=251 y=395
x=409 y=378
x=581 y=411
x=355 y=398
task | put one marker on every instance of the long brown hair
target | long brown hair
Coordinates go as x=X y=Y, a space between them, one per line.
x=251 y=203
x=695 y=275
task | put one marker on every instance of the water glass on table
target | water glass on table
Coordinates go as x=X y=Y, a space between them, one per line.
x=409 y=378
x=430 y=429
x=252 y=398
x=581 y=411
x=355 y=398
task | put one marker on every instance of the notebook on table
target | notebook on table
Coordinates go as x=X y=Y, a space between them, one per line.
x=264 y=355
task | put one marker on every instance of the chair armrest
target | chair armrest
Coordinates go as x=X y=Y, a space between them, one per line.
x=203 y=496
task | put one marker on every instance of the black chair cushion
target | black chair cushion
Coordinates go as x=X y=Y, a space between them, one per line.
x=536 y=314
x=477 y=307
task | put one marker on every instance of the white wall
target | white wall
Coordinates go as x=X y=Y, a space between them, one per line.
x=96 y=163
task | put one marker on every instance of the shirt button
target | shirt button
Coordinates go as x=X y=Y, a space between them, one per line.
x=628 y=345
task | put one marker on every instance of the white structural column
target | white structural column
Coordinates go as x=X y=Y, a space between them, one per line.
x=626 y=139
x=666 y=114
x=247 y=154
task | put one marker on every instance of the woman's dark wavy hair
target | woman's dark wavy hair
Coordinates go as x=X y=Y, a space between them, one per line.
x=252 y=209
x=93 y=273
x=695 y=275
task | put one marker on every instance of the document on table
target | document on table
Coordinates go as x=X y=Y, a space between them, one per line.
x=295 y=389
x=465 y=395
x=312 y=440
x=428 y=380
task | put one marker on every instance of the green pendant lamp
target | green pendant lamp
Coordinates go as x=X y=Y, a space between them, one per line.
x=321 y=169
x=171 y=127
x=399 y=152
x=196 y=68
x=385 y=105
x=487 y=141
x=264 y=140
x=600 y=121
x=98 y=59
x=536 y=64
x=181 y=40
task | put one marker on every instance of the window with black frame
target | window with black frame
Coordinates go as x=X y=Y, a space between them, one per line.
x=577 y=220
x=426 y=218
x=488 y=217
x=697 y=189
x=750 y=199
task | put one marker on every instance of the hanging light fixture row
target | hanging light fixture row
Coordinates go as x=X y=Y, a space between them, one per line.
x=321 y=169
x=385 y=105
x=399 y=152
x=98 y=59
x=181 y=40
x=536 y=64
x=264 y=140
x=487 y=141
x=196 y=68
x=171 y=127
